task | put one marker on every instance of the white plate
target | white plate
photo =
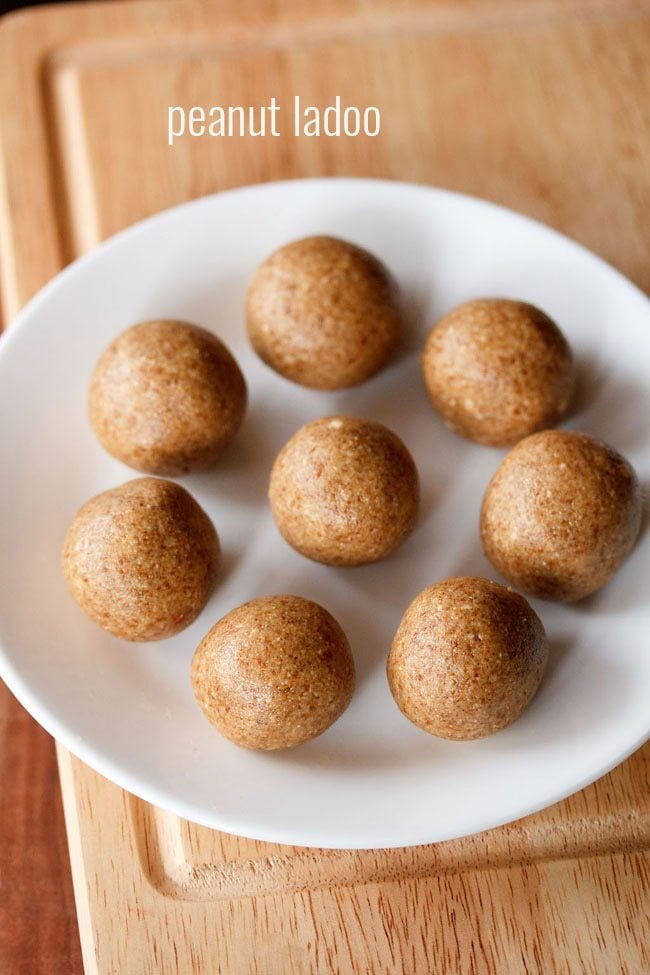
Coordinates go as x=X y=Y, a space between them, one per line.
x=373 y=779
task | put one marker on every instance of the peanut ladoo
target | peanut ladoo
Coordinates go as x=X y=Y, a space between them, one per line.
x=467 y=658
x=498 y=370
x=166 y=397
x=561 y=515
x=141 y=560
x=344 y=491
x=323 y=313
x=274 y=672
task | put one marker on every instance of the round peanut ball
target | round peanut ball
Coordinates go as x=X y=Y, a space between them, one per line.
x=274 y=672
x=323 y=313
x=498 y=370
x=141 y=560
x=166 y=397
x=560 y=515
x=344 y=491
x=467 y=658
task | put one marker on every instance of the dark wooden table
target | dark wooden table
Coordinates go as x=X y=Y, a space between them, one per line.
x=38 y=925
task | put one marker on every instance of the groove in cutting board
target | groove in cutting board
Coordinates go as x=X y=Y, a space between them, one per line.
x=189 y=862
x=567 y=915
x=512 y=143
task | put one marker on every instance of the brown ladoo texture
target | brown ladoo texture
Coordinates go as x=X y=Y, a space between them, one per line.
x=560 y=515
x=467 y=658
x=274 y=672
x=323 y=313
x=141 y=559
x=498 y=370
x=166 y=397
x=344 y=491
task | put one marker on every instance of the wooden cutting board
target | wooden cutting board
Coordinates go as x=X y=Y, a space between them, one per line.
x=543 y=106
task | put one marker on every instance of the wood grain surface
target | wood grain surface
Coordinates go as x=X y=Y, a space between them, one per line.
x=561 y=893
x=38 y=926
x=543 y=106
